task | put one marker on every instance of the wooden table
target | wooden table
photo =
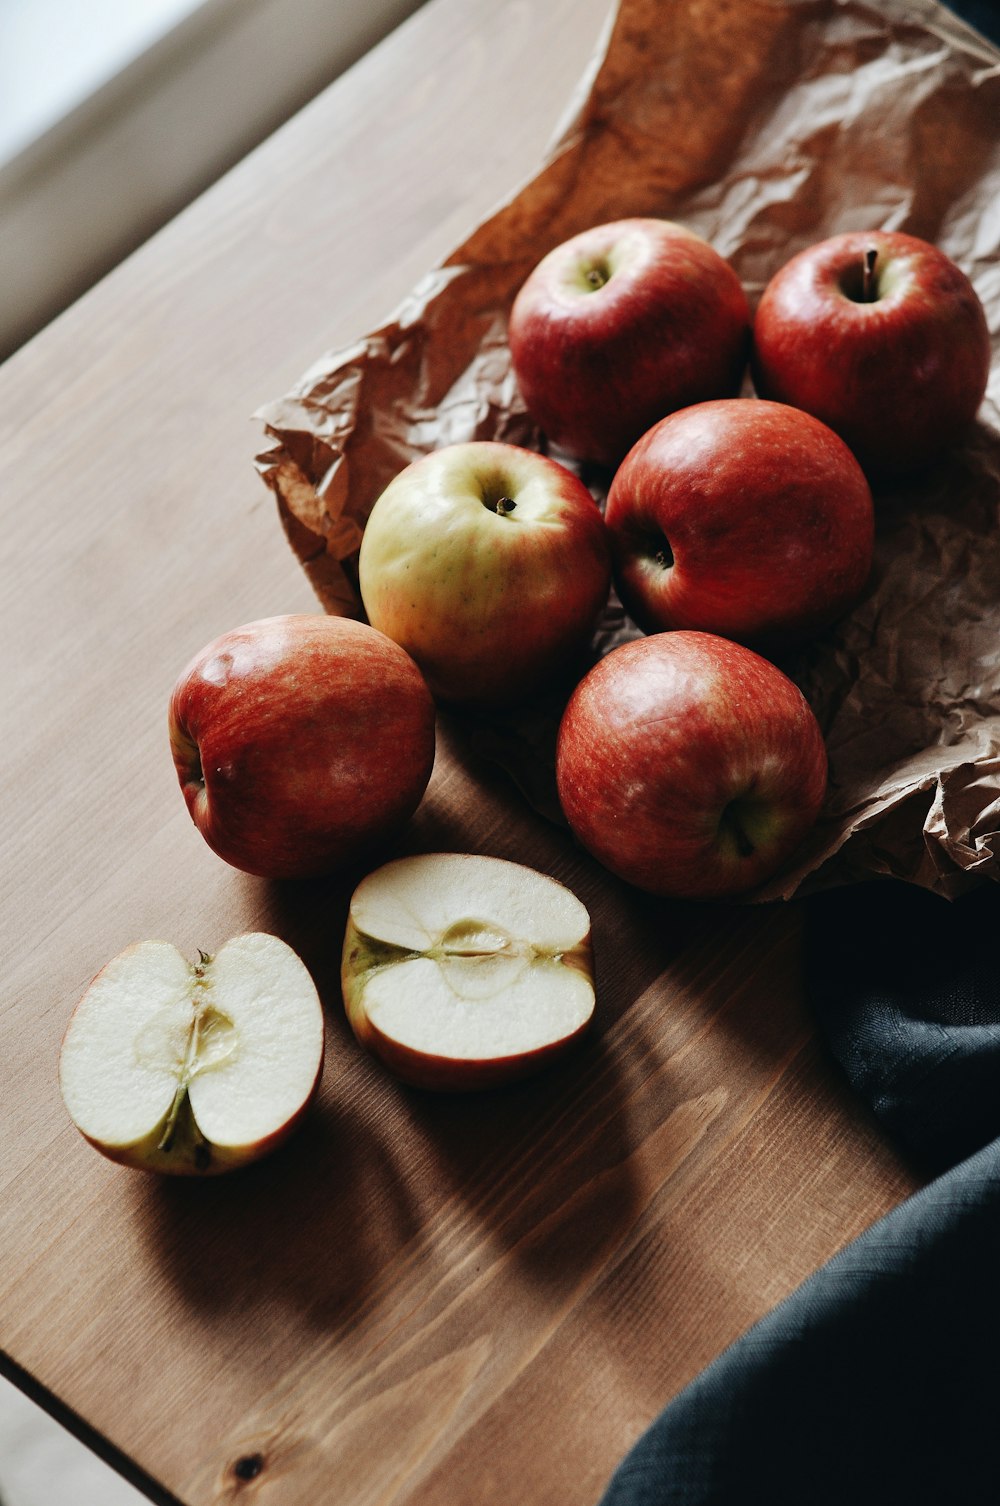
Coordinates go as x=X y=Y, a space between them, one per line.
x=418 y=1300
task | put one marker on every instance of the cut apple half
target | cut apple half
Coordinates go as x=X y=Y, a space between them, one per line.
x=462 y=972
x=194 y=1067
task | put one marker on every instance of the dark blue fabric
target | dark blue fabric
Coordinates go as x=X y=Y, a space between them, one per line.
x=878 y=1381
x=905 y=986
x=984 y=15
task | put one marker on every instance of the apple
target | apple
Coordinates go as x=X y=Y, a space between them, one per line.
x=619 y=326
x=301 y=743
x=193 y=1068
x=881 y=336
x=462 y=972
x=689 y=766
x=741 y=517
x=490 y=565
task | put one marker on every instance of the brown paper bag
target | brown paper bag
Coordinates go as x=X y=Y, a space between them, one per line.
x=764 y=125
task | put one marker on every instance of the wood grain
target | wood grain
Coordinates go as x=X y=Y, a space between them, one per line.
x=418 y=1299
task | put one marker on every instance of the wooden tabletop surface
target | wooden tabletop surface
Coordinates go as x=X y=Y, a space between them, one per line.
x=468 y=1300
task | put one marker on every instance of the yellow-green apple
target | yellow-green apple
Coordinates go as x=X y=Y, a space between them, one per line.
x=193 y=1067
x=462 y=972
x=621 y=325
x=689 y=765
x=490 y=564
x=881 y=336
x=301 y=743
x=741 y=517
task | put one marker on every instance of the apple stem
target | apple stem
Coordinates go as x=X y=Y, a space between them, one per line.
x=504 y=506
x=868 y=276
x=596 y=278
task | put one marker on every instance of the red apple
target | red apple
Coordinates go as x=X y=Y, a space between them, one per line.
x=621 y=325
x=463 y=972
x=194 y=1067
x=881 y=336
x=689 y=766
x=740 y=517
x=301 y=743
x=490 y=565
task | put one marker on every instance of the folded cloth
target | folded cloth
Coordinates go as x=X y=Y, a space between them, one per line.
x=906 y=986
x=878 y=1381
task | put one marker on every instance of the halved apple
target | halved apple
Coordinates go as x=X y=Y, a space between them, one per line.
x=184 y=1067
x=461 y=971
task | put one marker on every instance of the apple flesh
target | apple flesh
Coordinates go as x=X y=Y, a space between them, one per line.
x=746 y=518
x=193 y=1068
x=689 y=765
x=490 y=565
x=619 y=326
x=881 y=336
x=463 y=972
x=301 y=743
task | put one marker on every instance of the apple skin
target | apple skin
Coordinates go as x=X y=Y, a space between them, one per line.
x=490 y=565
x=741 y=517
x=619 y=326
x=448 y=1074
x=187 y=1158
x=689 y=766
x=301 y=743
x=899 y=377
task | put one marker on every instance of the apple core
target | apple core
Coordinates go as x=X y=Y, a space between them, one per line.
x=196 y=1067
x=461 y=971
x=186 y=1047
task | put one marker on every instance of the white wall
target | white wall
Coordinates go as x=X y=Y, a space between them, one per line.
x=158 y=98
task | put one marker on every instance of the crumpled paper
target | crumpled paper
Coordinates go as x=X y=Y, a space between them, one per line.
x=764 y=125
